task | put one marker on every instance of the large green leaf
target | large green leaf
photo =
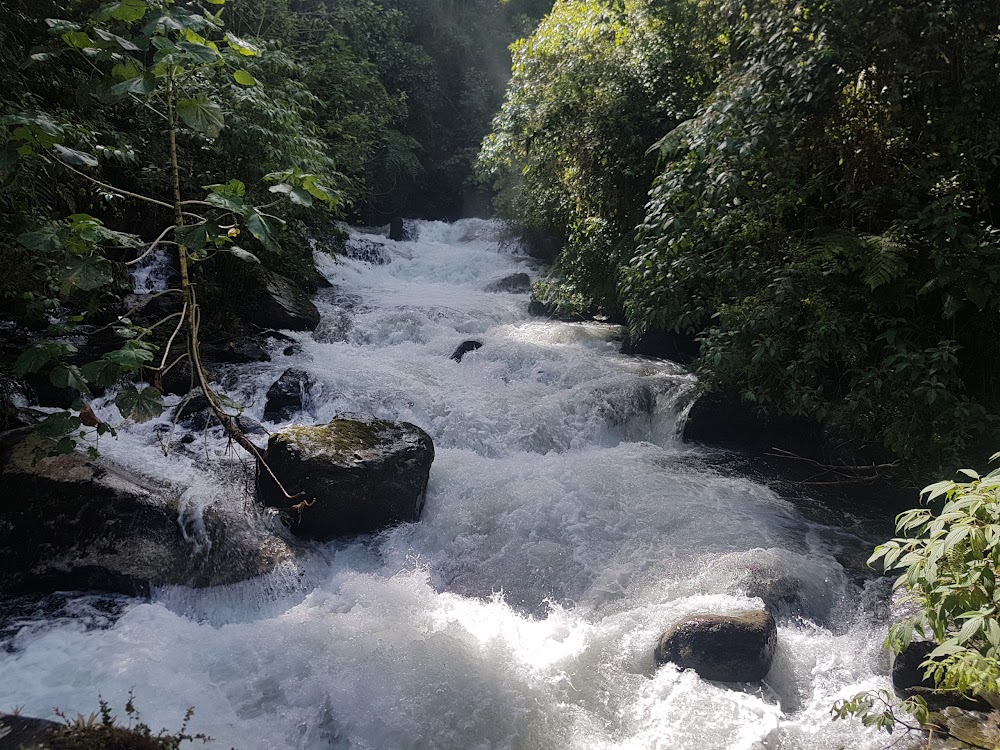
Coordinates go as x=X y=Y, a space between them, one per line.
x=242 y=46
x=122 y=10
x=102 y=372
x=39 y=354
x=45 y=239
x=140 y=405
x=141 y=85
x=58 y=424
x=68 y=376
x=244 y=78
x=203 y=115
x=84 y=273
x=74 y=157
x=264 y=227
x=242 y=254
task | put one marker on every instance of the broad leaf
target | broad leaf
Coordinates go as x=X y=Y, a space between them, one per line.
x=102 y=372
x=86 y=273
x=140 y=405
x=264 y=227
x=74 y=157
x=242 y=254
x=141 y=85
x=123 y=10
x=39 y=354
x=244 y=78
x=201 y=114
x=45 y=239
x=242 y=46
x=68 y=376
x=58 y=424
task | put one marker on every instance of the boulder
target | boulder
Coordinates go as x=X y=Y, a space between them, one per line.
x=287 y=395
x=284 y=305
x=69 y=523
x=737 y=647
x=464 y=348
x=675 y=347
x=355 y=475
x=240 y=351
x=25 y=732
x=516 y=283
x=397 y=230
x=367 y=251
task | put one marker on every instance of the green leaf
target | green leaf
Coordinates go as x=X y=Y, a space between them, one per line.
x=74 y=157
x=244 y=78
x=45 y=239
x=264 y=227
x=140 y=406
x=123 y=10
x=58 y=424
x=243 y=47
x=68 y=376
x=141 y=85
x=242 y=254
x=86 y=273
x=39 y=354
x=102 y=372
x=231 y=189
x=202 y=115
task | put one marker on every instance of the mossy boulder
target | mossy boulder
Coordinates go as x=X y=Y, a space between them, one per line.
x=67 y=523
x=355 y=475
x=736 y=647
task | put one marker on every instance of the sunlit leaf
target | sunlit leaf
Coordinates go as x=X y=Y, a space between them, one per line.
x=140 y=406
x=201 y=114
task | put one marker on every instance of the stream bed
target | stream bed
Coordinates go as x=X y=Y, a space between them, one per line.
x=566 y=526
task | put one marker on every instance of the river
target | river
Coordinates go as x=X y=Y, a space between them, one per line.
x=566 y=527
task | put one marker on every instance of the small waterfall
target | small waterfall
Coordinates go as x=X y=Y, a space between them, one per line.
x=155 y=272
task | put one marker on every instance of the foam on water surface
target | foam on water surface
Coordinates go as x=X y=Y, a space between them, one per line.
x=565 y=529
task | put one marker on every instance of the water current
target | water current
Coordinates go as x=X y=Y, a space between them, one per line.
x=566 y=527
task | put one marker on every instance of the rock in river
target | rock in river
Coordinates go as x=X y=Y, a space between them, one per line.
x=287 y=395
x=516 y=283
x=67 y=523
x=737 y=647
x=284 y=305
x=355 y=475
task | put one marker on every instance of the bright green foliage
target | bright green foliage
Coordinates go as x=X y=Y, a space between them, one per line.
x=881 y=710
x=950 y=561
x=592 y=88
x=823 y=218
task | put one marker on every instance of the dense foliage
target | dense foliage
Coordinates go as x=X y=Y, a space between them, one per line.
x=823 y=213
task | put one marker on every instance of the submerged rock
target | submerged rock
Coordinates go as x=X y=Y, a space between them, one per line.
x=516 y=283
x=285 y=306
x=286 y=395
x=464 y=348
x=355 y=475
x=737 y=647
x=67 y=523
x=398 y=231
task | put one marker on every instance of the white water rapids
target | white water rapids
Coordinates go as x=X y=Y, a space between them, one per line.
x=566 y=527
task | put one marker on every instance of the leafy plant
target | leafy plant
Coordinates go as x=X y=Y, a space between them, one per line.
x=168 y=57
x=950 y=561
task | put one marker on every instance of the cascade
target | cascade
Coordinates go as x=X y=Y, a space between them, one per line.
x=566 y=527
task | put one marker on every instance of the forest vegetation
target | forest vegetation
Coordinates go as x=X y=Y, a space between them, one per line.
x=806 y=189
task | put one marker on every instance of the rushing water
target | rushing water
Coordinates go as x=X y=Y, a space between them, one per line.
x=565 y=528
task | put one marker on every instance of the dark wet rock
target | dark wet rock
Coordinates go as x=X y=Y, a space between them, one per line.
x=179 y=380
x=292 y=350
x=906 y=671
x=737 y=647
x=355 y=475
x=464 y=348
x=662 y=345
x=726 y=420
x=241 y=351
x=398 y=230
x=284 y=305
x=26 y=732
x=69 y=523
x=516 y=283
x=195 y=412
x=545 y=310
x=779 y=593
x=287 y=395
x=367 y=251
